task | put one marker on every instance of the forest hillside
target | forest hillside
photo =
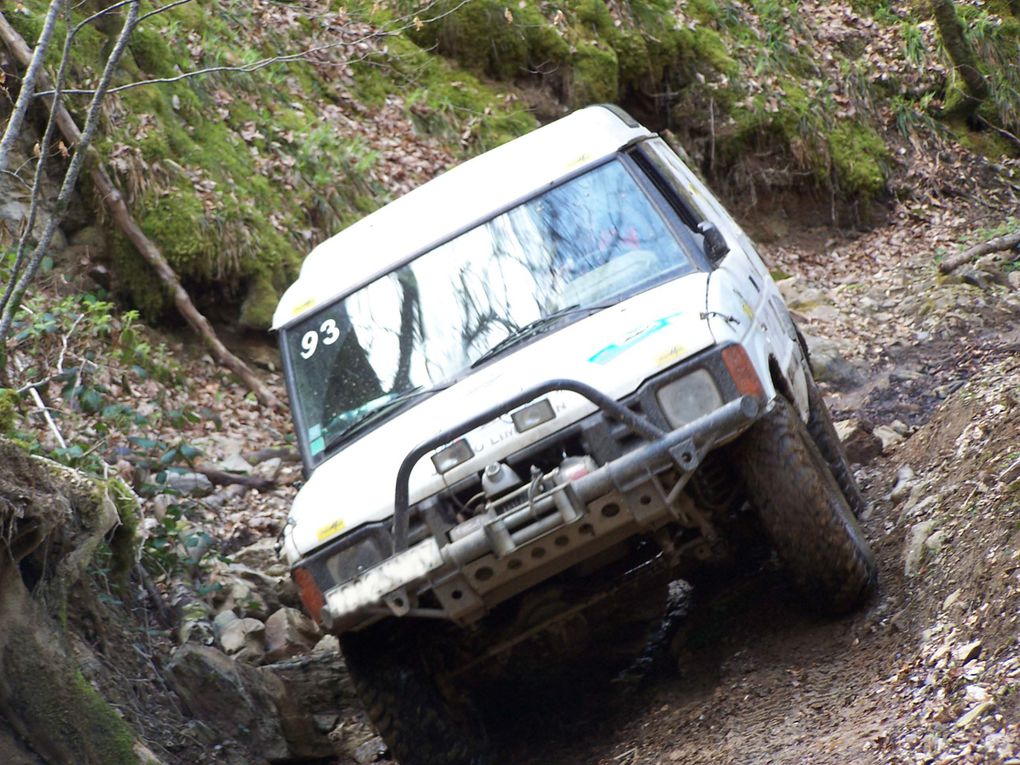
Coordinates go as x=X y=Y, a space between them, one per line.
x=145 y=477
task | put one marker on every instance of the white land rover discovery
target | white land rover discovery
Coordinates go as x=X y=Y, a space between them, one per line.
x=546 y=379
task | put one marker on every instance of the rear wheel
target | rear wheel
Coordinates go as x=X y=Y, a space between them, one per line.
x=804 y=512
x=420 y=723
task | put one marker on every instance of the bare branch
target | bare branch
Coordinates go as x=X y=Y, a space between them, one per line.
x=74 y=168
x=162 y=9
x=997 y=244
x=37 y=185
x=114 y=200
x=28 y=83
x=265 y=62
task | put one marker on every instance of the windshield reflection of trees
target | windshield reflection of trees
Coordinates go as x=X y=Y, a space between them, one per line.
x=427 y=321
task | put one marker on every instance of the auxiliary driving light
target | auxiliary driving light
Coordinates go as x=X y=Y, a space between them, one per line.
x=532 y=415
x=450 y=456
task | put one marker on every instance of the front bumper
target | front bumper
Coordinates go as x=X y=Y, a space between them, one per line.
x=497 y=555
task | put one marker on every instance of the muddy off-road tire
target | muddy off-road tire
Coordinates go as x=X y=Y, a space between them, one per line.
x=420 y=725
x=804 y=512
x=823 y=432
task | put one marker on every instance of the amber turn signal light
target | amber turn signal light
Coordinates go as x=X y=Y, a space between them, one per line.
x=739 y=365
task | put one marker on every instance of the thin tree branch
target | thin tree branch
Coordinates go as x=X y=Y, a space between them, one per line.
x=162 y=9
x=261 y=63
x=28 y=84
x=1007 y=242
x=74 y=168
x=113 y=199
x=37 y=184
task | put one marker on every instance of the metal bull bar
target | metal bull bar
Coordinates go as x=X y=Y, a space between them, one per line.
x=683 y=446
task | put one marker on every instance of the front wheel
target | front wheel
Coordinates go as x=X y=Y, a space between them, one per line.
x=420 y=723
x=805 y=513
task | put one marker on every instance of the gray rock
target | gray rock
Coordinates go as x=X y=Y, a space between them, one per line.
x=974 y=713
x=901 y=427
x=241 y=634
x=861 y=445
x=935 y=542
x=259 y=555
x=325 y=723
x=289 y=633
x=328 y=644
x=189 y=483
x=914 y=554
x=222 y=621
x=832 y=368
x=968 y=651
x=888 y=437
x=372 y=750
x=951 y=600
x=904 y=483
x=313 y=691
x=231 y=698
x=269 y=469
x=235 y=463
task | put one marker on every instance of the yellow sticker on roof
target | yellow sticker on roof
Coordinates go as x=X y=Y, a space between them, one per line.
x=578 y=161
x=302 y=307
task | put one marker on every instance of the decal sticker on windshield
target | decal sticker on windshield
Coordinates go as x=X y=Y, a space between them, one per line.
x=316 y=440
x=632 y=338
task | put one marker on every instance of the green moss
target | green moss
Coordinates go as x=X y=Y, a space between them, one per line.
x=859 y=156
x=705 y=11
x=710 y=49
x=633 y=58
x=151 y=52
x=124 y=542
x=58 y=705
x=595 y=76
x=259 y=303
x=178 y=223
x=8 y=410
x=136 y=280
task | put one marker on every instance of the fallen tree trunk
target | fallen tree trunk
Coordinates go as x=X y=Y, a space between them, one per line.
x=148 y=250
x=992 y=245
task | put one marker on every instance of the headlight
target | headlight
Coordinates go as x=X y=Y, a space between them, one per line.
x=354 y=560
x=688 y=398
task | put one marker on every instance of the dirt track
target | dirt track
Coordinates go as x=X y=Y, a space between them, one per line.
x=758 y=680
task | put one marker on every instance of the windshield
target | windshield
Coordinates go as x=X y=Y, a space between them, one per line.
x=588 y=242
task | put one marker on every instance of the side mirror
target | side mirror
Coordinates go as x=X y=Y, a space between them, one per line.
x=715 y=243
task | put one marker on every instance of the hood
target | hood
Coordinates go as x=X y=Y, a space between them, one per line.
x=614 y=350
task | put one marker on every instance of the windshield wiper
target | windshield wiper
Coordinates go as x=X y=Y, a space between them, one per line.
x=382 y=411
x=536 y=327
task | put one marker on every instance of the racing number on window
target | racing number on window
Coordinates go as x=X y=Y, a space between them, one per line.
x=310 y=340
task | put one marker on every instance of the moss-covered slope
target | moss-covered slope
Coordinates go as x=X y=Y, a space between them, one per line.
x=235 y=174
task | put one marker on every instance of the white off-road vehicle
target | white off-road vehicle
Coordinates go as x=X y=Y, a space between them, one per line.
x=544 y=380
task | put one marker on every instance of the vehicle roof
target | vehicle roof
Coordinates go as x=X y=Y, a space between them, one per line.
x=459 y=198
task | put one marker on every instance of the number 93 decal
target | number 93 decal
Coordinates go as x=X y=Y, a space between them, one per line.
x=329 y=332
